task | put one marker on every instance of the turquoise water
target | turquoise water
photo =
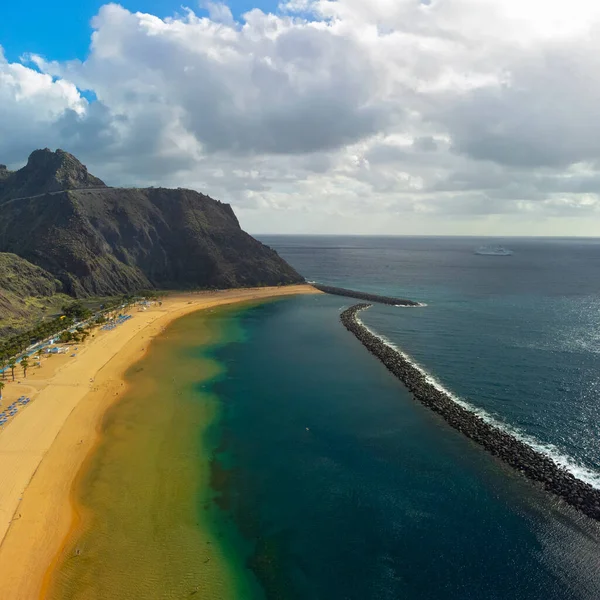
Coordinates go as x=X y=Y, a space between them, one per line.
x=345 y=488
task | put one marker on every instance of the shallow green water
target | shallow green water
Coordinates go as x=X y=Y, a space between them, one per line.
x=151 y=524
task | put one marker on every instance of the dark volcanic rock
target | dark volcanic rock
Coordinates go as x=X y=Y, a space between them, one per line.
x=105 y=241
x=46 y=171
x=4 y=175
x=365 y=296
x=512 y=451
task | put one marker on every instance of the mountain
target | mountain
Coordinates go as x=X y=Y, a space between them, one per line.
x=102 y=241
x=27 y=292
x=46 y=172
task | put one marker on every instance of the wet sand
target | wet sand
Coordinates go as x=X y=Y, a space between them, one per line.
x=43 y=448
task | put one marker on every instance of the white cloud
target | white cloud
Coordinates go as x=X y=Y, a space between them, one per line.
x=391 y=115
x=30 y=105
x=219 y=12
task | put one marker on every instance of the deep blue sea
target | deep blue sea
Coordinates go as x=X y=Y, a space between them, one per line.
x=348 y=489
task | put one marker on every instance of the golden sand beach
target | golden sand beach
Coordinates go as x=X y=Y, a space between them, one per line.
x=43 y=447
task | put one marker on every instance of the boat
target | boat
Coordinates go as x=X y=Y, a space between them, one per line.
x=493 y=251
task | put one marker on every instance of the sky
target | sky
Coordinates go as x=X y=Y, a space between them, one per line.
x=431 y=117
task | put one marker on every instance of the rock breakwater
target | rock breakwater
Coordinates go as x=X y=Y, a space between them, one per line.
x=365 y=296
x=523 y=458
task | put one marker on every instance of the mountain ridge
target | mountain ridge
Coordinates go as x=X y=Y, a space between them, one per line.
x=45 y=172
x=98 y=240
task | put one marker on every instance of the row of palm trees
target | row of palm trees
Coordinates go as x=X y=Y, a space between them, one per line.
x=12 y=365
x=17 y=344
x=24 y=364
x=79 y=335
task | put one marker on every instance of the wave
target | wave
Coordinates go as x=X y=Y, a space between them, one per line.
x=417 y=305
x=566 y=462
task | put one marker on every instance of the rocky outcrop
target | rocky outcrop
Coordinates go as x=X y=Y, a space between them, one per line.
x=506 y=447
x=46 y=172
x=104 y=241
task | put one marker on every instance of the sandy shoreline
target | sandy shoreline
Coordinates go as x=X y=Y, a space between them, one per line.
x=42 y=449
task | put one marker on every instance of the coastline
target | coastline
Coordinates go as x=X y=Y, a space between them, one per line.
x=44 y=448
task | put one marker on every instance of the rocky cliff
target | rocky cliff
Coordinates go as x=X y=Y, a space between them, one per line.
x=101 y=241
x=46 y=172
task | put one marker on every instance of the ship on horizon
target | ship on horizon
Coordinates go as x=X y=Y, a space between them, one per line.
x=493 y=251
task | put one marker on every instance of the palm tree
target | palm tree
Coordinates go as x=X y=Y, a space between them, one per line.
x=12 y=363
x=2 y=384
x=39 y=357
x=25 y=365
x=65 y=337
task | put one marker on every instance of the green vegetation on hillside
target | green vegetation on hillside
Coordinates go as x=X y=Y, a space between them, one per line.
x=27 y=294
x=76 y=311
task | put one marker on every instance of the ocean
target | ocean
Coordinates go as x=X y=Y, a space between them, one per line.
x=351 y=489
x=293 y=466
x=518 y=337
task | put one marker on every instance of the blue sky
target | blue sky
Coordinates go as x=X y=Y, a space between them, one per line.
x=61 y=30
